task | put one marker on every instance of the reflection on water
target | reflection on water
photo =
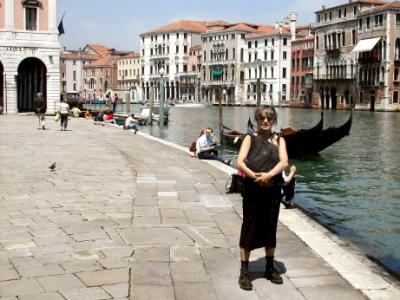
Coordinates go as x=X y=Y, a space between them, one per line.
x=352 y=187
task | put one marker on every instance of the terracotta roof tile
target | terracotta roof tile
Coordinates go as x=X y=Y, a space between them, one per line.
x=131 y=55
x=77 y=56
x=216 y=23
x=99 y=49
x=303 y=39
x=395 y=4
x=182 y=25
x=241 y=27
x=104 y=61
x=266 y=33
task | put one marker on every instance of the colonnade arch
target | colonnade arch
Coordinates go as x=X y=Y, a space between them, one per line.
x=31 y=79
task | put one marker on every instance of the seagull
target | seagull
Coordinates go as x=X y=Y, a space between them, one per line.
x=52 y=167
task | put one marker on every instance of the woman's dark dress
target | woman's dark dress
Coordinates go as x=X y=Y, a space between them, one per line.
x=260 y=204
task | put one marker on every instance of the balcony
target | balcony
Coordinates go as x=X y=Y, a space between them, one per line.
x=368 y=84
x=185 y=74
x=334 y=52
x=218 y=83
x=372 y=59
x=159 y=56
x=346 y=76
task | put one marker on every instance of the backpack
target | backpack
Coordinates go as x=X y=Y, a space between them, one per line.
x=192 y=147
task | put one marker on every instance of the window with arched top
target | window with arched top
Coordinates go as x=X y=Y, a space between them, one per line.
x=397 y=50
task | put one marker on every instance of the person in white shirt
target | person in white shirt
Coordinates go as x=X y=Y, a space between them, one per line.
x=64 y=112
x=205 y=147
x=132 y=123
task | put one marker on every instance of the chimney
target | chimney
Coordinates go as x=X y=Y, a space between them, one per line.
x=293 y=19
x=276 y=25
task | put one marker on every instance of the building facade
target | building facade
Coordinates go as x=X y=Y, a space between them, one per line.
x=302 y=72
x=167 y=48
x=244 y=63
x=223 y=63
x=190 y=81
x=335 y=63
x=128 y=70
x=71 y=70
x=29 y=54
x=267 y=68
x=378 y=50
x=100 y=76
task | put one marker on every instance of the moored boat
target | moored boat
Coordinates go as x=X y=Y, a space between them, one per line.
x=331 y=135
x=313 y=140
x=232 y=137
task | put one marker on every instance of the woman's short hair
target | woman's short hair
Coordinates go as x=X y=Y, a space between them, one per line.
x=266 y=111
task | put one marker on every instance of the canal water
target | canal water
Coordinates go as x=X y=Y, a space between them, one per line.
x=352 y=187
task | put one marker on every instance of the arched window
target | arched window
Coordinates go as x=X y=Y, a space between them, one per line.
x=397 y=50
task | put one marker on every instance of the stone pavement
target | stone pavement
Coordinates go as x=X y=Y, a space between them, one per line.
x=126 y=217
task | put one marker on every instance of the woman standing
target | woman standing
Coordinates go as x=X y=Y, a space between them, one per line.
x=262 y=158
x=64 y=111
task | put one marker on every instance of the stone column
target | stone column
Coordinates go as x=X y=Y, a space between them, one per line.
x=10 y=93
x=52 y=11
x=9 y=15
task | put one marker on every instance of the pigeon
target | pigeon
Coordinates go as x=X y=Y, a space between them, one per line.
x=52 y=167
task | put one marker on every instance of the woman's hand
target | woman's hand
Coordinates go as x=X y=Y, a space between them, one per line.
x=264 y=179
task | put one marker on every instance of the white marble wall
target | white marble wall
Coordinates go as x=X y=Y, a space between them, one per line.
x=17 y=45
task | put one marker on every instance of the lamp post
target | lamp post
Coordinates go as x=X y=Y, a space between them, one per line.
x=221 y=126
x=162 y=72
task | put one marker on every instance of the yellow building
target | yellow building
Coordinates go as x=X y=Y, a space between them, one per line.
x=128 y=70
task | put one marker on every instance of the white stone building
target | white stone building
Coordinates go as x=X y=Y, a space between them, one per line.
x=29 y=54
x=168 y=48
x=268 y=63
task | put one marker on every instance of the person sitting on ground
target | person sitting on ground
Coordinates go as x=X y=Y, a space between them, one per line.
x=205 y=147
x=109 y=118
x=192 y=147
x=132 y=123
x=76 y=112
x=100 y=116
x=288 y=185
x=88 y=114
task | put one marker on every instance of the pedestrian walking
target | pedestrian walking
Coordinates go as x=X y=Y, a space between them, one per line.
x=115 y=102
x=64 y=112
x=39 y=105
x=262 y=158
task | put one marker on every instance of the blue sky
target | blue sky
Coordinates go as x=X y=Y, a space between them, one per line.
x=118 y=23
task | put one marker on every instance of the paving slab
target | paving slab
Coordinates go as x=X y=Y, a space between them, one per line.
x=150 y=223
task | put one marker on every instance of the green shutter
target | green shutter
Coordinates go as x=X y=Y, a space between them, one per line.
x=217 y=73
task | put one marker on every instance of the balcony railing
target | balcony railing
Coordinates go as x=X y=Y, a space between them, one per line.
x=369 y=59
x=369 y=83
x=333 y=52
x=333 y=76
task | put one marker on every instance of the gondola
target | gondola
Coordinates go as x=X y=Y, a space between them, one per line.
x=302 y=141
x=297 y=141
x=232 y=137
x=313 y=140
x=331 y=135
